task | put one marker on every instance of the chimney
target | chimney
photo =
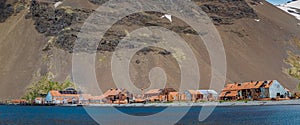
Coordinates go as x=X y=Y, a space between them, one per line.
x=143 y=93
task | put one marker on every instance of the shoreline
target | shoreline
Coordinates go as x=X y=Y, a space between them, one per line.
x=182 y=104
x=202 y=104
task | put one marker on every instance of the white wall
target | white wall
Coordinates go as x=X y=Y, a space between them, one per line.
x=275 y=88
x=38 y=101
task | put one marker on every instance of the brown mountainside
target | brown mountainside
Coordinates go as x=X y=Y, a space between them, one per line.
x=37 y=38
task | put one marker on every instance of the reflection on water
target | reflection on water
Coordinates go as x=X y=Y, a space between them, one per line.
x=288 y=114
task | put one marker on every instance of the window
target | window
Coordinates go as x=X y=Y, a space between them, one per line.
x=278 y=94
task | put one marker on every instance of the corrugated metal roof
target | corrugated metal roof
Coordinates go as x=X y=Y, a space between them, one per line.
x=229 y=94
x=154 y=91
x=194 y=92
x=245 y=85
x=55 y=93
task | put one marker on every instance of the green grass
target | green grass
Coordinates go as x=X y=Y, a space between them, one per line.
x=44 y=85
x=293 y=60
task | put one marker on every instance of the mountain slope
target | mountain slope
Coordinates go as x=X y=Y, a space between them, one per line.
x=20 y=48
x=260 y=52
x=256 y=43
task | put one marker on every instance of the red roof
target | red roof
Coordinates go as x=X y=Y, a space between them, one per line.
x=39 y=98
x=194 y=92
x=245 y=85
x=18 y=101
x=154 y=91
x=113 y=92
x=269 y=84
x=232 y=89
x=55 y=93
x=173 y=93
x=229 y=94
x=97 y=97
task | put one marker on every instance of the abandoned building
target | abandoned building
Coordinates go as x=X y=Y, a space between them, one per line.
x=271 y=89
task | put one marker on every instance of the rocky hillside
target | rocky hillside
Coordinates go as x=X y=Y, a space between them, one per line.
x=37 y=37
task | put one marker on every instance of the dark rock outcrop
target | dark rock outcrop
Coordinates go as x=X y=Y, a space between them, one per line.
x=62 y=23
x=222 y=12
x=113 y=36
x=98 y=2
x=8 y=9
x=226 y=11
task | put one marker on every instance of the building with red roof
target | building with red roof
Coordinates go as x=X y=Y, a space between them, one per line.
x=254 y=90
x=62 y=97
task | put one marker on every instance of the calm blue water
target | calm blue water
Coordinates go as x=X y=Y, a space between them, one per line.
x=288 y=114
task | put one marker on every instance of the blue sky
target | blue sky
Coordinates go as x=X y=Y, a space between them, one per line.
x=276 y=2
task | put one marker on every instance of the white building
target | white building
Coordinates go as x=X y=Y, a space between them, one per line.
x=38 y=100
x=276 y=89
x=209 y=95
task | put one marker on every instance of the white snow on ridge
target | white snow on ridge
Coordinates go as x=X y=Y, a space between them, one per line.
x=292 y=8
x=168 y=16
x=295 y=4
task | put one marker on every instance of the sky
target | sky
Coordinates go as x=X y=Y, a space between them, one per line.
x=276 y=2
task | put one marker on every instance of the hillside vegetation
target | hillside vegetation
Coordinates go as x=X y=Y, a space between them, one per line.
x=293 y=60
x=44 y=85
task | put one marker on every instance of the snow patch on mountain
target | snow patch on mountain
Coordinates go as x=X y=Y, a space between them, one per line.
x=292 y=7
